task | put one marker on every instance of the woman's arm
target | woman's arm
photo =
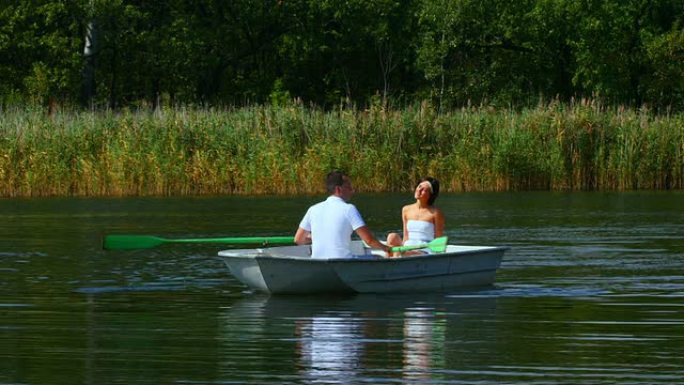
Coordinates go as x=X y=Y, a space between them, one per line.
x=404 y=219
x=439 y=223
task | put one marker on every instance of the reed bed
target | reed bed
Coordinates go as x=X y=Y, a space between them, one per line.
x=288 y=150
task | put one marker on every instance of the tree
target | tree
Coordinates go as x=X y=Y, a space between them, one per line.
x=39 y=49
x=478 y=52
x=612 y=46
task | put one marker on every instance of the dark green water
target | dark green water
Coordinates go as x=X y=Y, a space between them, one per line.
x=592 y=292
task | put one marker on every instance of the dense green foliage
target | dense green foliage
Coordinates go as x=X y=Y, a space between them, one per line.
x=289 y=149
x=236 y=53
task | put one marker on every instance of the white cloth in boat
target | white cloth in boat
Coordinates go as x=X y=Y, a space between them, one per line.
x=419 y=232
x=331 y=224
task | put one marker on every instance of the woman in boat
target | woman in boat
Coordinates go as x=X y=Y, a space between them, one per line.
x=422 y=221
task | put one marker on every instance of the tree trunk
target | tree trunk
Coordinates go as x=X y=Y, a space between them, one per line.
x=89 y=52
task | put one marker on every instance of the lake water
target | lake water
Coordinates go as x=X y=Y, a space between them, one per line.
x=591 y=292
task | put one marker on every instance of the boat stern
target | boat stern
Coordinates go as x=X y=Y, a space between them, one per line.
x=275 y=274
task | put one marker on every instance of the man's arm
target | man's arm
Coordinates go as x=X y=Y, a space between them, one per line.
x=370 y=239
x=302 y=237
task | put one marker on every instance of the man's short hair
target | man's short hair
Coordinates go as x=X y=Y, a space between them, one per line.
x=334 y=179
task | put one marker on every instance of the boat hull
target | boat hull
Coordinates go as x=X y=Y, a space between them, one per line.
x=281 y=270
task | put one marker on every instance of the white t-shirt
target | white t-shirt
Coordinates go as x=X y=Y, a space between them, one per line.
x=331 y=224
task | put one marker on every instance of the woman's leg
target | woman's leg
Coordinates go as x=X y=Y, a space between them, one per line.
x=394 y=239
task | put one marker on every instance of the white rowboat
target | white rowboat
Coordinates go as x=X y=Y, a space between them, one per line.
x=290 y=269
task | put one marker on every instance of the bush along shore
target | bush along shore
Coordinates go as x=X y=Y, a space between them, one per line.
x=288 y=150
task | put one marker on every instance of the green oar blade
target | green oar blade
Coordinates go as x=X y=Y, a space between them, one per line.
x=130 y=242
x=438 y=245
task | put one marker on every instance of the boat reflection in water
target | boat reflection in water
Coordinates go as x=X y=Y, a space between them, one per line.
x=330 y=347
x=422 y=330
x=350 y=339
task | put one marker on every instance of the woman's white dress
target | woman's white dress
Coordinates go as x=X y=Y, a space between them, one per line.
x=419 y=232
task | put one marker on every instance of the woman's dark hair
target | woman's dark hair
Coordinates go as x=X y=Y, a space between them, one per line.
x=334 y=179
x=435 y=188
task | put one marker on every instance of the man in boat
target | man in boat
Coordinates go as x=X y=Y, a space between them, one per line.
x=328 y=225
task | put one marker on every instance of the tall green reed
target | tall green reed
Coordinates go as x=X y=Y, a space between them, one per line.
x=288 y=150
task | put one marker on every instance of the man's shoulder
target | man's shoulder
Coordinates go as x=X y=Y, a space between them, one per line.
x=333 y=203
x=336 y=201
x=323 y=205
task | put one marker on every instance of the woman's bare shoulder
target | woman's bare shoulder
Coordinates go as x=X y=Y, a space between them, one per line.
x=437 y=214
x=408 y=208
x=435 y=209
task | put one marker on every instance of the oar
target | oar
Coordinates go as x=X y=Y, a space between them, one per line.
x=438 y=245
x=128 y=242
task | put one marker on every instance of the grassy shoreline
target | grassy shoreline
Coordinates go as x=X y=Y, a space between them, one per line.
x=288 y=150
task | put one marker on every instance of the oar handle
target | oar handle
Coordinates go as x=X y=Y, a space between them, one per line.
x=401 y=249
x=129 y=242
x=235 y=240
x=437 y=245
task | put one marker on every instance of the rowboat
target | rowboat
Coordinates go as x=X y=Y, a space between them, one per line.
x=290 y=269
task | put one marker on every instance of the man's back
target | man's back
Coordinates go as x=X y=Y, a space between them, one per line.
x=328 y=225
x=331 y=224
